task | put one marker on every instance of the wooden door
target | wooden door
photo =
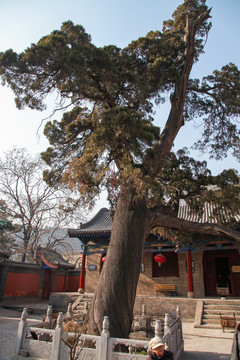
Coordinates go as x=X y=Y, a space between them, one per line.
x=47 y=284
x=234 y=261
x=209 y=274
x=217 y=271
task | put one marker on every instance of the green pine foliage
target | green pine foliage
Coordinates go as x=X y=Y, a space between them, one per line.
x=107 y=138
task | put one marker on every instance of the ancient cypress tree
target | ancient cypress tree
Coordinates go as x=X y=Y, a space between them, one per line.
x=108 y=138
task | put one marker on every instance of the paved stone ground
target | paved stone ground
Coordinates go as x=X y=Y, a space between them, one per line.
x=7 y=342
x=207 y=344
x=210 y=344
x=9 y=320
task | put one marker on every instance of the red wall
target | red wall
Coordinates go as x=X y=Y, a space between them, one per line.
x=59 y=283
x=73 y=283
x=27 y=280
x=22 y=284
x=69 y=284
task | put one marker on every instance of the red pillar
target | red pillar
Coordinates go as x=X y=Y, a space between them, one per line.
x=190 y=275
x=82 y=274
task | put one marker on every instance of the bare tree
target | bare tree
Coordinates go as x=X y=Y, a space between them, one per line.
x=36 y=210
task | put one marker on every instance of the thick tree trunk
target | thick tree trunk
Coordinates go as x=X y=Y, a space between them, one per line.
x=25 y=244
x=23 y=259
x=116 y=290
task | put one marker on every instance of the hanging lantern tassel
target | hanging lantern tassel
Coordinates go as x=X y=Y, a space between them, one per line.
x=160 y=259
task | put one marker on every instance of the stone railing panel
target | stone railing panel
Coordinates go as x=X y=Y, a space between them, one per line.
x=85 y=353
x=38 y=349
x=41 y=343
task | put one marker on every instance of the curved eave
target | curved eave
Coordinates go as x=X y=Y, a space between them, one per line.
x=55 y=266
x=90 y=233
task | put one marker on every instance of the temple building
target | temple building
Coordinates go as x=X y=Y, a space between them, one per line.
x=204 y=266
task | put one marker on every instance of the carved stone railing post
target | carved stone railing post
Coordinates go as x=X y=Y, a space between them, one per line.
x=178 y=312
x=174 y=315
x=166 y=324
x=143 y=322
x=48 y=319
x=180 y=334
x=69 y=313
x=103 y=351
x=20 y=333
x=57 y=338
x=158 y=328
x=173 y=332
x=86 y=307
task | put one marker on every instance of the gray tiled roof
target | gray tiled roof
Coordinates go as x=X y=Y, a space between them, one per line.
x=211 y=213
x=100 y=224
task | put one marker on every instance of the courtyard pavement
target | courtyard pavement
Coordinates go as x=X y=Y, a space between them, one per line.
x=208 y=344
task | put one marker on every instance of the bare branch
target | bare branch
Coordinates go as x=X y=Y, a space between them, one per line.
x=165 y=220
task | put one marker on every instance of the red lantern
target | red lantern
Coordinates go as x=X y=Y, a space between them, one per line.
x=103 y=259
x=160 y=259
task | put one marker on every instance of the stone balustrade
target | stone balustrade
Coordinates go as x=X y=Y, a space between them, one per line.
x=41 y=342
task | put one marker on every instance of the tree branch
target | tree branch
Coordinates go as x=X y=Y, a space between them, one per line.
x=171 y=222
x=175 y=118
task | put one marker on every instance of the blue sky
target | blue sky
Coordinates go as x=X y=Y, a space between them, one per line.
x=109 y=22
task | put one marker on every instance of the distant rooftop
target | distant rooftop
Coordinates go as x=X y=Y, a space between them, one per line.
x=53 y=259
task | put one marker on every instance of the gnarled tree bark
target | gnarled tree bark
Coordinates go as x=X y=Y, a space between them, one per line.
x=116 y=290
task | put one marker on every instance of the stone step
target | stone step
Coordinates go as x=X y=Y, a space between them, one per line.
x=89 y=300
x=217 y=317
x=87 y=296
x=218 y=313
x=86 y=299
x=75 y=312
x=83 y=303
x=223 y=312
x=222 y=307
x=213 y=309
x=225 y=300
x=222 y=302
x=218 y=301
x=211 y=321
x=80 y=308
